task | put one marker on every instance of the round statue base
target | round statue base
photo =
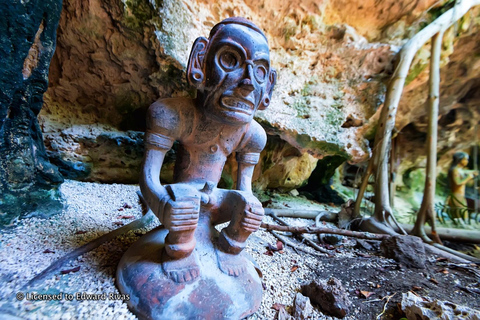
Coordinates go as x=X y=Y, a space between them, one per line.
x=212 y=295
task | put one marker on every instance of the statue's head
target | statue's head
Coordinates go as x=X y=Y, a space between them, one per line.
x=460 y=158
x=231 y=70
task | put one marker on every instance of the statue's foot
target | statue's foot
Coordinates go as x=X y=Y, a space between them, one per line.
x=180 y=270
x=231 y=264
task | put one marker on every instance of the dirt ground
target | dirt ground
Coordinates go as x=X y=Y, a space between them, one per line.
x=372 y=282
x=381 y=278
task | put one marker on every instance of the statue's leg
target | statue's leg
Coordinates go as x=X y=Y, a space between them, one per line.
x=245 y=213
x=180 y=244
x=178 y=262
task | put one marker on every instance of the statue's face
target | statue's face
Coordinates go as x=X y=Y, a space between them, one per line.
x=237 y=67
x=464 y=162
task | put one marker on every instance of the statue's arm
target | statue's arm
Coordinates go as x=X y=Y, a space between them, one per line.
x=159 y=138
x=249 y=155
x=458 y=177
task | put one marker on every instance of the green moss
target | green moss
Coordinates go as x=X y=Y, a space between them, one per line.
x=325 y=147
x=140 y=12
x=313 y=21
x=415 y=70
x=334 y=116
x=301 y=106
x=308 y=89
x=290 y=28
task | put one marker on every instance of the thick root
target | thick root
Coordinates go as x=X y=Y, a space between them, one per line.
x=374 y=226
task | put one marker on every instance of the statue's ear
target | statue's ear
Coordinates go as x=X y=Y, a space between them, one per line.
x=195 y=70
x=272 y=79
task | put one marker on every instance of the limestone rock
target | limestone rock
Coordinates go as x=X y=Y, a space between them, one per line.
x=114 y=58
x=407 y=250
x=329 y=295
x=426 y=309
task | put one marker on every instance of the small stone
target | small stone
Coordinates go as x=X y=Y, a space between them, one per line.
x=362 y=244
x=303 y=307
x=294 y=193
x=407 y=250
x=329 y=295
x=331 y=239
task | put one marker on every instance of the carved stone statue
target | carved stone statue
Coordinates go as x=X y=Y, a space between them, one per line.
x=187 y=269
x=458 y=177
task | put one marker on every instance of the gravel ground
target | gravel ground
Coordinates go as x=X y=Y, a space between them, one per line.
x=94 y=209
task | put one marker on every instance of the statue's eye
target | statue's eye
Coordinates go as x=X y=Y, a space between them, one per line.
x=260 y=73
x=229 y=60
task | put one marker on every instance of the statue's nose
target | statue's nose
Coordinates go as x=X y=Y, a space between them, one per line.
x=246 y=86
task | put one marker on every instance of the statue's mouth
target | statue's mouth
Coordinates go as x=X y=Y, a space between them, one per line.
x=237 y=104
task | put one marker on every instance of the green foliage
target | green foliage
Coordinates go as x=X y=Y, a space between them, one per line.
x=436 y=12
x=444 y=211
x=226 y=181
x=412 y=215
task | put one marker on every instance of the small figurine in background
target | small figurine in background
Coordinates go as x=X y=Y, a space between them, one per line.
x=458 y=177
x=233 y=76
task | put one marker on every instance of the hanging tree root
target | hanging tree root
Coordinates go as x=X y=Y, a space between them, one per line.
x=134 y=225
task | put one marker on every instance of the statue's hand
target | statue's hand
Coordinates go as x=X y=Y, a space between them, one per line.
x=181 y=207
x=253 y=214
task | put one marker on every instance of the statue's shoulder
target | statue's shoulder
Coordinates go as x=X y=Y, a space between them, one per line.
x=255 y=138
x=168 y=116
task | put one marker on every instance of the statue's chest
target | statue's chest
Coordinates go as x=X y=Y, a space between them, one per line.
x=213 y=142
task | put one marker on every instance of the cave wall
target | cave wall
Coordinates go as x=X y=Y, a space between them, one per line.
x=115 y=57
x=27 y=43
